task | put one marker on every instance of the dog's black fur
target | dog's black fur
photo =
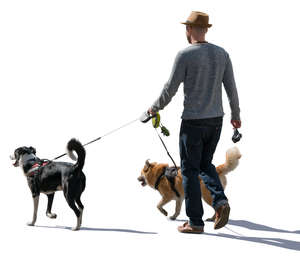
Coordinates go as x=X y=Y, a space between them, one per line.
x=54 y=176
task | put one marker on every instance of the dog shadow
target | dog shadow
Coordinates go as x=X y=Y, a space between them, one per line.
x=278 y=242
x=101 y=229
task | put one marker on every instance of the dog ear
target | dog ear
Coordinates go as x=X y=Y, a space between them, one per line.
x=17 y=154
x=147 y=165
x=33 y=150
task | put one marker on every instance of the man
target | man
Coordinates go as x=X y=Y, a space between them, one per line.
x=202 y=67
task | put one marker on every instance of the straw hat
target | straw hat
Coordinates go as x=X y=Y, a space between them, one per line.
x=198 y=19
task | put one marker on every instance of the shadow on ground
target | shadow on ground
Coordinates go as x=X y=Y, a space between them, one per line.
x=279 y=242
x=254 y=226
x=101 y=229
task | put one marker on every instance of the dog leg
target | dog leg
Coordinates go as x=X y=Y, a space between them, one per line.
x=77 y=212
x=35 y=209
x=78 y=225
x=81 y=207
x=80 y=217
x=161 y=204
x=49 y=207
x=177 y=209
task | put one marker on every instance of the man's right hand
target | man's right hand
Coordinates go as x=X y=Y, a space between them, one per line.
x=151 y=112
x=236 y=123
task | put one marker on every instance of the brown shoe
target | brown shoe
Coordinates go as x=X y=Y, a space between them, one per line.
x=187 y=228
x=222 y=216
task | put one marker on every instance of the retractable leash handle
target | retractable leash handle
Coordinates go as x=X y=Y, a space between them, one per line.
x=236 y=135
x=145 y=117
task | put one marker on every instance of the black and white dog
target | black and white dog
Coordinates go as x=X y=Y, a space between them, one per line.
x=44 y=176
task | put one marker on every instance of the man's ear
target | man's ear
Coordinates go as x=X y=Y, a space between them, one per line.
x=33 y=150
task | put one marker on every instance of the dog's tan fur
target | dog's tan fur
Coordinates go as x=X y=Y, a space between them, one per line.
x=152 y=171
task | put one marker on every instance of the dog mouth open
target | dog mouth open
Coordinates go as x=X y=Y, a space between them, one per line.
x=142 y=180
x=12 y=157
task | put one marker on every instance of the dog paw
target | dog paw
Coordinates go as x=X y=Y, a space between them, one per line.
x=51 y=215
x=172 y=217
x=75 y=228
x=212 y=219
x=31 y=224
x=164 y=212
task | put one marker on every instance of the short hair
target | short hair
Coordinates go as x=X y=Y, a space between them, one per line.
x=200 y=29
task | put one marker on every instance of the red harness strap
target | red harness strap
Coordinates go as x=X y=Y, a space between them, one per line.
x=36 y=168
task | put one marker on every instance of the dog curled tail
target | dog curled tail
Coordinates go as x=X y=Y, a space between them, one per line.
x=75 y=145
x=232 y=160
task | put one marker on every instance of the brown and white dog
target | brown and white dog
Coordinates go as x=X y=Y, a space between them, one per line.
x=151 y=174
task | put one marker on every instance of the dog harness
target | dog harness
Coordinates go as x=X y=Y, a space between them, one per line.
x=35 y=169
x=170 y=174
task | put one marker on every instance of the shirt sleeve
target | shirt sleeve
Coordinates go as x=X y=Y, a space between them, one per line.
x=171 y=87
x=231 y=91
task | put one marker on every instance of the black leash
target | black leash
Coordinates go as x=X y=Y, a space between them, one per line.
x=146 y=116
x=97 y=139
x=166 y=149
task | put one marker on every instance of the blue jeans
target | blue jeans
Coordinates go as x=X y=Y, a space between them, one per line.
x=198 y=141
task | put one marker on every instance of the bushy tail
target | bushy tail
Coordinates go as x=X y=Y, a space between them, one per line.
x=232 y=160
x=75 y=145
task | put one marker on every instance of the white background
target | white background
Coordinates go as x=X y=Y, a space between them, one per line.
x=82 y=68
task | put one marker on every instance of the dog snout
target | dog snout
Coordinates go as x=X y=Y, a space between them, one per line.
x=12 y=157
x=142 y=180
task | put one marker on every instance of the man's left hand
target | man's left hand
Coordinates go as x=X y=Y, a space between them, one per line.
x=236 y=123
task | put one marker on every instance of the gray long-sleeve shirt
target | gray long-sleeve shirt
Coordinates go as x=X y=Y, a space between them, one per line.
x=202 y=67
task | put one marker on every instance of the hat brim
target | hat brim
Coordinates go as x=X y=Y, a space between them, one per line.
x=198 y=25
